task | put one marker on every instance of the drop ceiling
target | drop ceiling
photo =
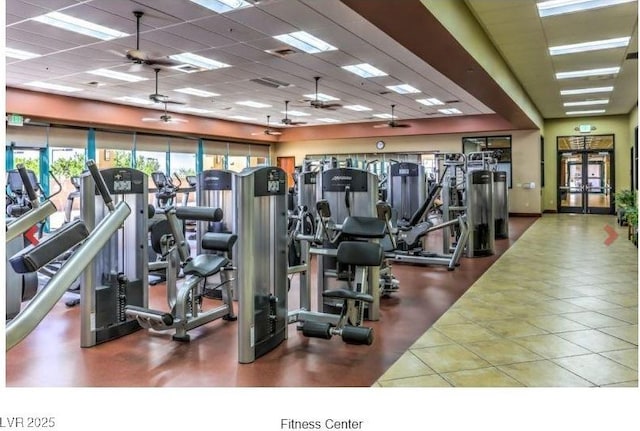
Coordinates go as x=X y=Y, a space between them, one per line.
x=243 y=39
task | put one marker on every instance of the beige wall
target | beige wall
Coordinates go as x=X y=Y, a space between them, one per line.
x=525 y=157
x=618 y=125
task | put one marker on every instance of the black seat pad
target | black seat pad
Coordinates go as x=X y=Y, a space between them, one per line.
x=347 y=294
x=205 y=265
x=364 y=227
x=360 y=253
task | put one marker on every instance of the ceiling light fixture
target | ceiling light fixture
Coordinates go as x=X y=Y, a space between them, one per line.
x=321 y=97
x=55 y=87
x=383 y=115
x=198 y=60
x=357 y=108
x=450 y=111
x=195 y=110
x=137 y=100
x=222 y=6
x=595 y=45
x=557 y=7
x=328 y=120
x=196 y=92
x=78 y=25
x=242 y=117
x=365 y=70
x=585 y=90
x=19 y=54
x=587 y=102
x=296 y=113
x=592 y=111
x=252 y=104
x=108 y=73
x=305 y=42
x=588 y=72
x=430 y=101
x=403 y=89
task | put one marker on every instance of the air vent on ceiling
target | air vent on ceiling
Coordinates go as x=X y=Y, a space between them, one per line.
x=188 y=68
x=270 y=82
x=282 y=52
x=632 y=56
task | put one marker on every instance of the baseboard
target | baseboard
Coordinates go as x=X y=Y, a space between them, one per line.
x=550 y=211
x=525 y=215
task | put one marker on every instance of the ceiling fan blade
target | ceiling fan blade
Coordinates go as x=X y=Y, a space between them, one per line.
x=151 y=120
x=161 y=61
x=401 y=125
x=174 y=102
x=273 y=132
x=178 y=120
x=381 y=126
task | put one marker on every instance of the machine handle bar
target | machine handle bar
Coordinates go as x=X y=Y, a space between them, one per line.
x=100 y=184
x=26 y=183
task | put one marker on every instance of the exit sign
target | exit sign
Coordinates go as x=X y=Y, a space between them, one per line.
x=15 y=120
x=585 y=128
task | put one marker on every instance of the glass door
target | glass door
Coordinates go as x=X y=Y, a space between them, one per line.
x=570 y=189
x=585 y=183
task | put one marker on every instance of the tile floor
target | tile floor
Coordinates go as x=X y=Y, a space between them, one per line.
x=559 y=308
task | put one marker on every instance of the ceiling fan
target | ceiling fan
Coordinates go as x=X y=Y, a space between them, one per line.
x=392 y=122
x=140 y=58
x=268 y=130
x=164 y=118
x=161 y=98
x=319 y=104
x=288 y=121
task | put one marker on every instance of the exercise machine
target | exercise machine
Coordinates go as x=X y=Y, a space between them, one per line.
x=186 y=303
x=480 y=215
x=118 y=275
x=261 y=223
x=406 y=189
x=33 y=258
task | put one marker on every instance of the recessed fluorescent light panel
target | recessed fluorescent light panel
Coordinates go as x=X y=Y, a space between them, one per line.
x=383 y=115
x=296 y=113
x=78 y=25
x=305 y=42
x=403 y=89
x=557 y=7
x=593 y=111
x=195 y=110
x=587 y=102
x=19 y=54
x=450 y=111
x=252 y=104
x=50 y=86
x=137 y=100
x=321 y=97
x=595 y=45
x=108 y=73
x=241 y=117
x=588 y=72
x=196 y=92
x=198 y=60
x=430 y=101
x=222 y=6
x=365 y=70
x=357 y=108
x=328 y=120
x=586 y=91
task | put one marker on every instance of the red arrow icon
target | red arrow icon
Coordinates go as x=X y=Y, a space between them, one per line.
x=613 y=235
x=30 y=235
